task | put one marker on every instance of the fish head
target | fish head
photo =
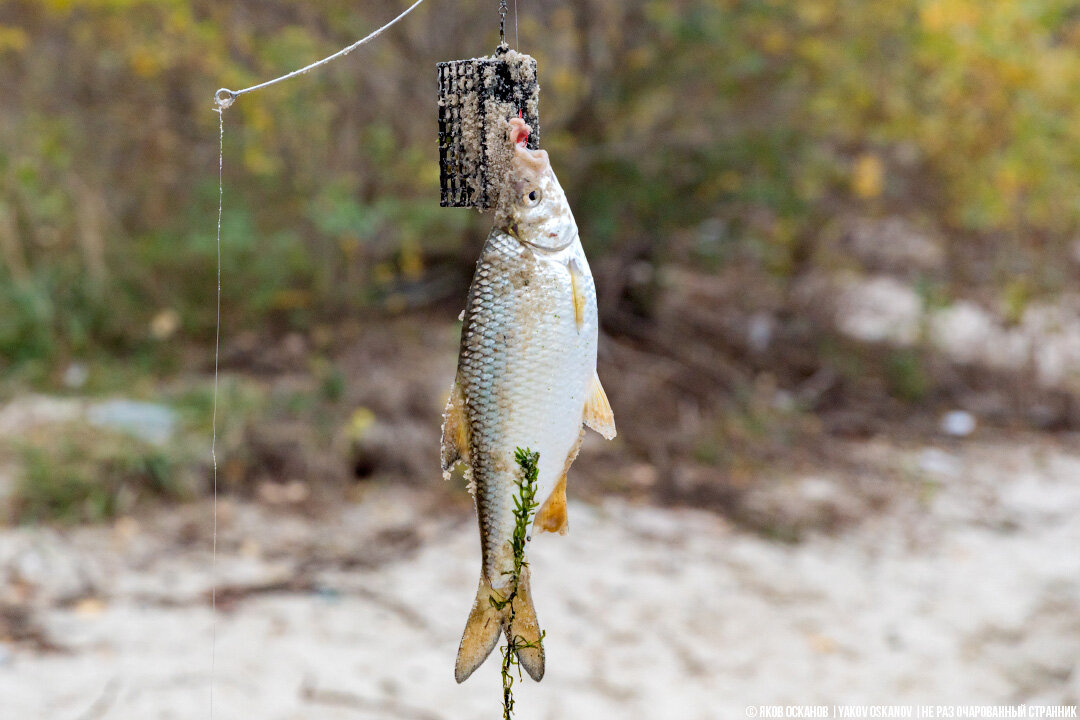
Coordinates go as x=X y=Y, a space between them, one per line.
x=533 y=207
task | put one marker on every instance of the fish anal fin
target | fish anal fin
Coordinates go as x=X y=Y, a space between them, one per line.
x=552 y=515
x=598 y=414
x=455 y=432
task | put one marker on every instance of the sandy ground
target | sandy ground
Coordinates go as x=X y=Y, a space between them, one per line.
x=965 y=589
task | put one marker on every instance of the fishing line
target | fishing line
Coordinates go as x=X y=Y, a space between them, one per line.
x=213 y=420
x=223 y=99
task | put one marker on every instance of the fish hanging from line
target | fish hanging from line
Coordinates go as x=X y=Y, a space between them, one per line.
x=526 y=378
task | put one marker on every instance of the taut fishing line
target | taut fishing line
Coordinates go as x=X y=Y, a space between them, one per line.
x=223 y=99
x=213 y=421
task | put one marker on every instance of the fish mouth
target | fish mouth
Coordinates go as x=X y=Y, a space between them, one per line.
x=535 y=160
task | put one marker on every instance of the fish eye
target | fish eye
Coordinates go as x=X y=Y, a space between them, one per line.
x=532 y=198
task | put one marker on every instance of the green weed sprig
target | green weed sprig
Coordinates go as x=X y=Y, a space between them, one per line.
x=525 y=505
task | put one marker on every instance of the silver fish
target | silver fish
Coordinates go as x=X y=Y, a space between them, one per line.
x=526 y=378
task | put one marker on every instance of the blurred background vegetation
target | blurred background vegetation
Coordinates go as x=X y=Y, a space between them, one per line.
x=708 y=148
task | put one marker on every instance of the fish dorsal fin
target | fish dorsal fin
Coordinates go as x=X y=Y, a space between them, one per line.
x=598 y=413
x=455 y=431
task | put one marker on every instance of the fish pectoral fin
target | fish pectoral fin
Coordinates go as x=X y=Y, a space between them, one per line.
x=455 y=432
x=577 y=279
x=598 y=414
x=552 y=515
x=517 y=620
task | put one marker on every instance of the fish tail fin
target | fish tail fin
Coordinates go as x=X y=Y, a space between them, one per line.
x=523 y=630
x=487 y=621
x=481 y=632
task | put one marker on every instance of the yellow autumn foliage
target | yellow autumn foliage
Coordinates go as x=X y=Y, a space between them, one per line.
x=661 y=116
x=868 y=177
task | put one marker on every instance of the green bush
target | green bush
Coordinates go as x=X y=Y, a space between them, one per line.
x=90 y=476
x=766 y=116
